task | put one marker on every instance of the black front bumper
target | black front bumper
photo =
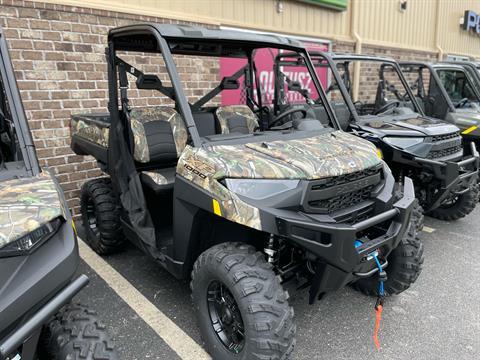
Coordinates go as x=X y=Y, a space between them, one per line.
x=12 y=342
x=339 y=261
x=454 y=177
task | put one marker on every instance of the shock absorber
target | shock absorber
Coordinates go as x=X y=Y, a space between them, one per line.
x=270 y=249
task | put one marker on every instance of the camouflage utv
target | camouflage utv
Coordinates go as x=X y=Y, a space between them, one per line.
x=385 y=112
x=38 y=250
x=204 y=186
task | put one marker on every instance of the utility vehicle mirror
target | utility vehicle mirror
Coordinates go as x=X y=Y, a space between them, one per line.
x=148 y=82
x=229 y=84
x=295 y=86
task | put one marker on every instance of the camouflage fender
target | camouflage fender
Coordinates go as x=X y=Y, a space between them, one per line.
x=25 y=204
x=197 y=166
x=224 y=113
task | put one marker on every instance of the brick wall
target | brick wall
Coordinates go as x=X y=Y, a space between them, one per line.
x=58 y=56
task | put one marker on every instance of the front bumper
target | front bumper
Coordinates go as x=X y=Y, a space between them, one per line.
x=454 y=177
x=12 y=342
x=339 y=261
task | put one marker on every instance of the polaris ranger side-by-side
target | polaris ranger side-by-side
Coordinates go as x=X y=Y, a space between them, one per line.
x=205 y=186
x=38 y=250
x=448 y=92
x=386 y=113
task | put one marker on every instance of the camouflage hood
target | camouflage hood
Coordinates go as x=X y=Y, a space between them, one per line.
x=26 y=204
x=326 y=155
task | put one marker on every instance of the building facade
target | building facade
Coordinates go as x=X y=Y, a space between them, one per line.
x=57 y=49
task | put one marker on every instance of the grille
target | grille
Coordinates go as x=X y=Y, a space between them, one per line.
x=344 y=179
x=445 y=145
x=450 y=136
x=435 y=154
x=342 y=201
x=329 y=195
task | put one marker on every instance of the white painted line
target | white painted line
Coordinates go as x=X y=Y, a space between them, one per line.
x=173 y=336
x=428 y=230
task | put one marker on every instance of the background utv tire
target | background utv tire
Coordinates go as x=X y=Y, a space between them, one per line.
x=100 y=209
x=404 y=267
x=262 y=303
x=461 y=208
x=75 y=333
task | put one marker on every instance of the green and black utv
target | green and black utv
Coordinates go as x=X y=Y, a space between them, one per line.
x=204 y=185
x=372 y=100
x=38 y=250
x=447 y=91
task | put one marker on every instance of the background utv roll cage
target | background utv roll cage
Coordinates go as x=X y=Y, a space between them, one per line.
x=332 y=60
x=415 y=66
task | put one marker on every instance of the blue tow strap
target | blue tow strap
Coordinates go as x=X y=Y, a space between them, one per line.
x=381 y=289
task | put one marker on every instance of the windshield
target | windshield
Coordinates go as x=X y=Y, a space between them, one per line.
x=458 y=87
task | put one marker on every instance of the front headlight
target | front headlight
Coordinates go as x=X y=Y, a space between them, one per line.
x=33 y=239
x=259 y=189
x=403 y=142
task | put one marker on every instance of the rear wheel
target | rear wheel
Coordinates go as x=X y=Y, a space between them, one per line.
x=100 y=209
x=242 y=309
x=75 y=333
x=457 y=206
x=404 y=266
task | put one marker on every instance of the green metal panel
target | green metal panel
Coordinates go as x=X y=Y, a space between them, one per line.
x=333 y=4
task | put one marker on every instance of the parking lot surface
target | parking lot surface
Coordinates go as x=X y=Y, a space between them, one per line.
x=437 y=318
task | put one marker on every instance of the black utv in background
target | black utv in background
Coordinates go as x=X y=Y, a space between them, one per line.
x=386 y=113
x=38 y=250
x=208 y=187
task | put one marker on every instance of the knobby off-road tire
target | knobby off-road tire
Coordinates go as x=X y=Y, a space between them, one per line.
x=260 y=298
x=75 y=333
x=461 y=208
x=404 y=266
x=418 y=217
x=101 y=209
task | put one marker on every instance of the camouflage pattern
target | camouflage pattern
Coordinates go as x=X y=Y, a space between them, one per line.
x=140 y=116
x=159 y=179
x=331 y=154
x=226 y=112
x=26 y=204
x=90 y=128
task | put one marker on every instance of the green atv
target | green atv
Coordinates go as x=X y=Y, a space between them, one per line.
x=38 y=250
x=217 y=195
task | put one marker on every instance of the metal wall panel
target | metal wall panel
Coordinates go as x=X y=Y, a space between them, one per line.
x=428 y=25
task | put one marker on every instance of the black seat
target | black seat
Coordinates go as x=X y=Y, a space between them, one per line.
x=205 y=123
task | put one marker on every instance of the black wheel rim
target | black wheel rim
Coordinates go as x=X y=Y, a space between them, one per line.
x=92 y=217
x=225 y=317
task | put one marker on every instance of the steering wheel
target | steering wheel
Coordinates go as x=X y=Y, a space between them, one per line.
x=462 y=103
x=390 y=105
x=287 y=113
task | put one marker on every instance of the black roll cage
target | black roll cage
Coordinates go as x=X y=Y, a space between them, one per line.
x=165 y=39
x=16 y=109
x=432 y=68
x=331 y=59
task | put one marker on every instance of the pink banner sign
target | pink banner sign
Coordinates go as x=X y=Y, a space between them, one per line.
x=264 y=60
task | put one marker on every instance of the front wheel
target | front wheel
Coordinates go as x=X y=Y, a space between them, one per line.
x=242 y=309
x=458 y=206
x=75 y=333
